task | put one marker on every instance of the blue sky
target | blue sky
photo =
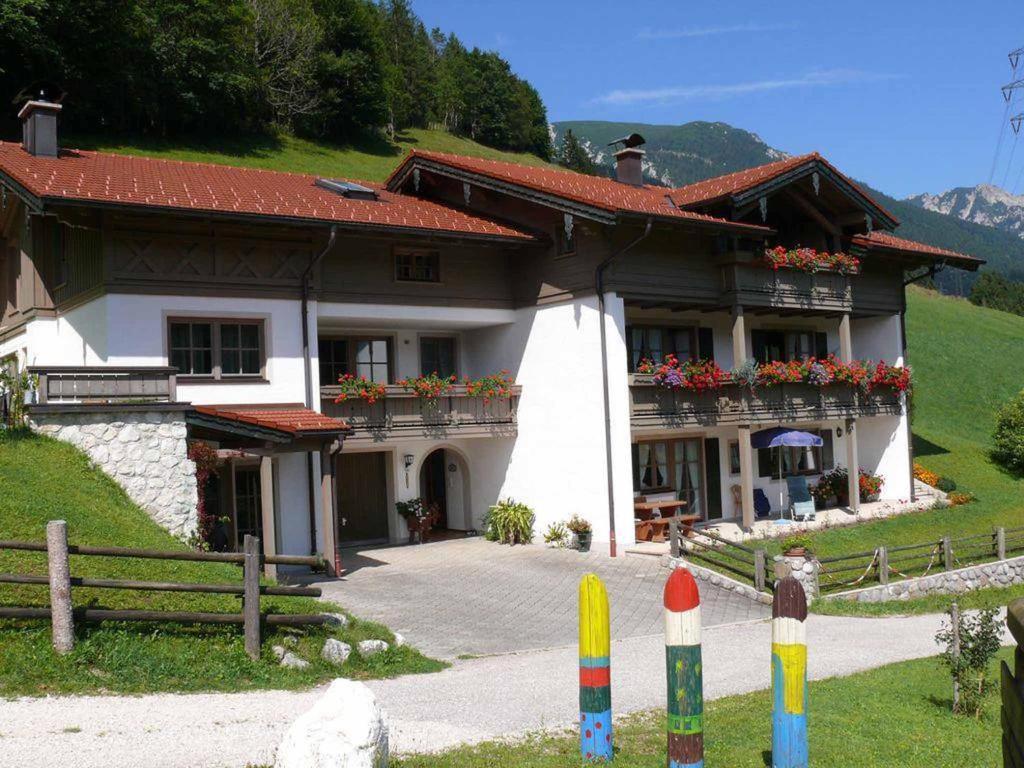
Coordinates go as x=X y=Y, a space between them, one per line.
x=903 y=95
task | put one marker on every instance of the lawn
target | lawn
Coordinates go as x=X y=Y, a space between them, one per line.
x=368 y=161
x=41 y=480
x=896 y=716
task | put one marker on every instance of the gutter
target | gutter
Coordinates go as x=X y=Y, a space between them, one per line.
x=599 y=286
x=307 y=363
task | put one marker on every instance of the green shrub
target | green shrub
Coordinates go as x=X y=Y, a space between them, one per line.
x=556 y=534
x=1009 y=435
x=509 y=523
x=946 y=485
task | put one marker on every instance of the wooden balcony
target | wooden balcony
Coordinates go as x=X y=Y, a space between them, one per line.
x=402 y=415
x=751 y=283
x=654 y=407
x=104 y=385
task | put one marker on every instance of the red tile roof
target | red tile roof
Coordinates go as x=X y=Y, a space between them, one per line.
x=598 y=192
x=291 y=419
x=119 y=179
x=886 y=241
x=711 y=190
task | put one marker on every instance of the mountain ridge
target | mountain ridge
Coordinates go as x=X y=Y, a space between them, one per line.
x=984 y=204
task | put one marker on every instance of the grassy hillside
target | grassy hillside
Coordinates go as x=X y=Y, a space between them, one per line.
x=371 y=161
x=41 y=480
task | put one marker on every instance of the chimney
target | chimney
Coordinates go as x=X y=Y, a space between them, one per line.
x=629 y=160
x=39 y=128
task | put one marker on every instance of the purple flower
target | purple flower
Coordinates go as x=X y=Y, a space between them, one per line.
x=818 y=375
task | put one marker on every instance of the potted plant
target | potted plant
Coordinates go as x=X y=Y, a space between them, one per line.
x=582 y=531
x=796 y=546
x=870 y=486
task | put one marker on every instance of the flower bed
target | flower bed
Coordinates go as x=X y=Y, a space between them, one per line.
x=810 y=260
x=429 y=387
x=490 y=387
x=693 y=375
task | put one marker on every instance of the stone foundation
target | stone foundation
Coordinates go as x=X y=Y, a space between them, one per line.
x=702 y=574
x=1001 y=573
x=142 y=449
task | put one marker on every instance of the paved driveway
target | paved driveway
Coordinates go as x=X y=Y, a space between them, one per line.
x=471 y=596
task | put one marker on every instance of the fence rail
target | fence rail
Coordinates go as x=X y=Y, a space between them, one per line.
x=916 y=560
x=63 y=615
x=722 y=554
x=105 y=384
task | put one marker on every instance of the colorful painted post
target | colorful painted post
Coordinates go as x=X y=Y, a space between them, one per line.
x=595 y=671
x=684 y=671
x=789 y=675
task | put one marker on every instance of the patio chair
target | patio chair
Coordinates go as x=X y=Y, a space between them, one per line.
x=762 y=507
x=801 y=503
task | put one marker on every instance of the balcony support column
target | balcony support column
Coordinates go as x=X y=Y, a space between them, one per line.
x=329 y=512
x=845 y=339
x=853 y=465
x=267 y=513
x=746 y=475
x=739 y=337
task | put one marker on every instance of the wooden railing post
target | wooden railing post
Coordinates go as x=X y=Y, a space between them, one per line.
x=1001 y=543
x=251 y=597
x=61 y=615
x=760 y=558
x=947 y=553
x=883 y=565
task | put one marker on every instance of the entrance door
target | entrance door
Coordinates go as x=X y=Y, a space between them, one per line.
x=434 y=486
x=362 y=497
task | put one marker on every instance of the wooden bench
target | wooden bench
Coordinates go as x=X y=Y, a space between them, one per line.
x=651 y=528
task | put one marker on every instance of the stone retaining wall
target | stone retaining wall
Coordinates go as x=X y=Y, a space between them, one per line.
x=142 y=449
x=702 y=574
x=1001 y=573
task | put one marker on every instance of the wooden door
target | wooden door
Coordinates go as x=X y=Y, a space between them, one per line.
x=362 y=497
x=434 y=488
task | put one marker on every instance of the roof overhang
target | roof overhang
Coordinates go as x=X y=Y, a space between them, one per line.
x=604 y=215
x=925 y=254
x=824 y=170
x=248 y=427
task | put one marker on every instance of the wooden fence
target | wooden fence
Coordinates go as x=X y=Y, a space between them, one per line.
x=885 y=563
x=1013 y=691
x=63 y=616
x=752 y=566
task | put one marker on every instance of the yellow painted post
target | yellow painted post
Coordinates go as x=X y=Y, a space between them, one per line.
x=595 y=671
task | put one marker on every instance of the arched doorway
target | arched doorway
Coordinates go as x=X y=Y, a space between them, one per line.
x=444 y=481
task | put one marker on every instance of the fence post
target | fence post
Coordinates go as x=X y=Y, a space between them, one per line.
x=251 y=596
x=673 y=538
x=760 y=556
x=61 y=617
x=883 y=565
x=954 y=617
x=1001 y=543
x=947 y=553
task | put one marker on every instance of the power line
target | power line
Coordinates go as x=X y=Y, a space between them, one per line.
x=1008 y=92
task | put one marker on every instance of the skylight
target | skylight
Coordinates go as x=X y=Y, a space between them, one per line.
x=348 y=189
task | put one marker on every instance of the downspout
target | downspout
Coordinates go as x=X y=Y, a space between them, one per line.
x=599 y=286
x=307 y=362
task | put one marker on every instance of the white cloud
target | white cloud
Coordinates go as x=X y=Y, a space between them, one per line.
x=816 y=79
x=678 y=34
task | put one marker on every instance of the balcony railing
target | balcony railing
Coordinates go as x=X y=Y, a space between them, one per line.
x=654 y=406
x=93 y=385
x=401 y=414
x=751 y=283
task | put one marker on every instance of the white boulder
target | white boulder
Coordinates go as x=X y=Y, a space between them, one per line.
x=344 y=729
x=368 y=648
x=293 y=662
x=335 y=651
x=336 y=620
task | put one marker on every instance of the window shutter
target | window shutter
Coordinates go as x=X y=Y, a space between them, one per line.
x=827 y=453
x=821 y=345
x=713 y=475
x=759 y=342
x=705 y=344
x=765 y=466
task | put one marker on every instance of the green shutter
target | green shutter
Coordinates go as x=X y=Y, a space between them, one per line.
x=821 y=345
x=713 y=477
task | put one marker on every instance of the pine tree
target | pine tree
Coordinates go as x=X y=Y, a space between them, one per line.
x=573 y=156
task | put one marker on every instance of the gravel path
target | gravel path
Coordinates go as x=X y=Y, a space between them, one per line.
x=469 y=702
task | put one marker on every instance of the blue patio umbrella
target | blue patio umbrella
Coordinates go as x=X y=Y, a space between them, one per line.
x=778 y=437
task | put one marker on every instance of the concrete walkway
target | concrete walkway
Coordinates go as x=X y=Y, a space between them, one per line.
x=470 y=596
x=475 y=700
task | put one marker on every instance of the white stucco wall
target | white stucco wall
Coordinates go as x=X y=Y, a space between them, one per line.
x=877 y=338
